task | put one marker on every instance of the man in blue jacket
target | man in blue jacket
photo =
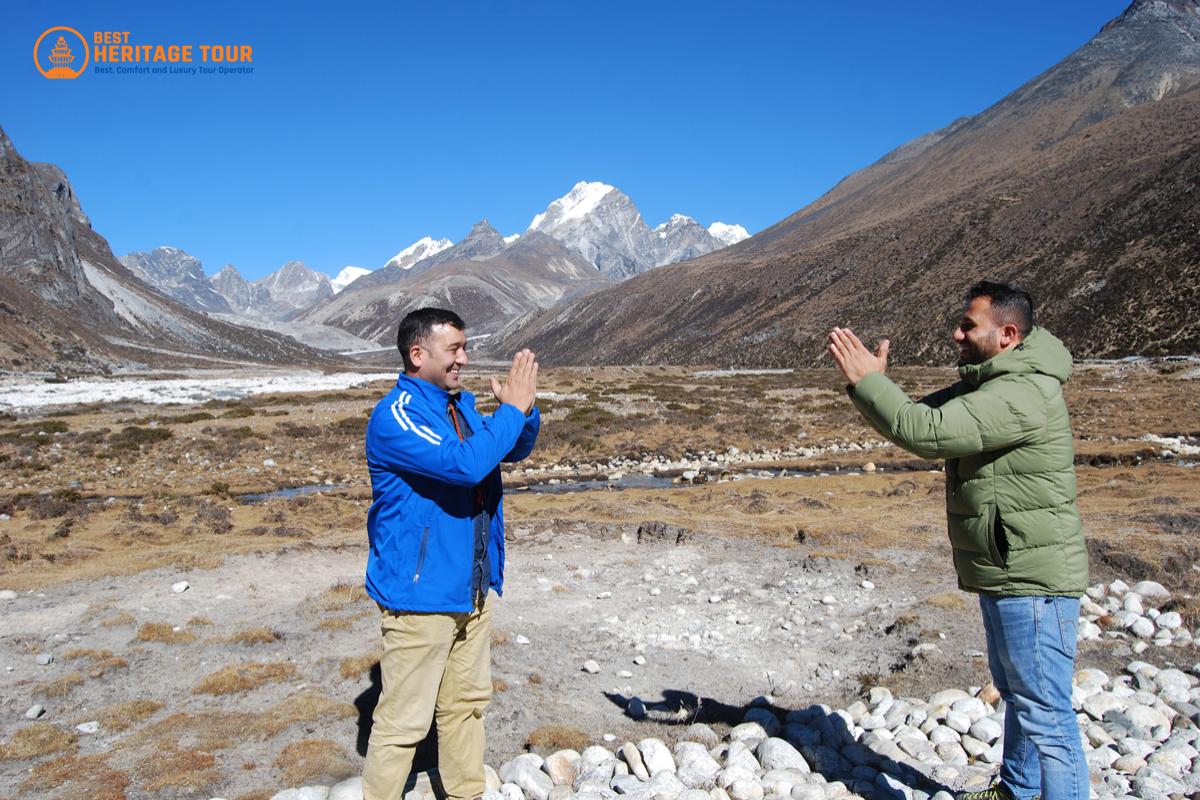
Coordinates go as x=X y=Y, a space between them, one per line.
x=436 y=529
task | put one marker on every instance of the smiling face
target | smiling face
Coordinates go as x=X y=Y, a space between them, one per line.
x=440 y=357
x=980 y=335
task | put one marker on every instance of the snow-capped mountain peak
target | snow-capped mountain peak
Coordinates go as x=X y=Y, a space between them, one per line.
x=419 y=250
x=675 y=221
x=512 y=238
x=346 y=277
x=583 y=198
x=728 y=234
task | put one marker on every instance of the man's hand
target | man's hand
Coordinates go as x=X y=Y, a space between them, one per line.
x=520 y=389
x=853 y=358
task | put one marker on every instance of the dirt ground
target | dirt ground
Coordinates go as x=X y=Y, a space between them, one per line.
x=695 y=598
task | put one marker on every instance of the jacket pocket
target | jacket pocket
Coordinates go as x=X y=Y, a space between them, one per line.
x=421 y=554
x=997 y=541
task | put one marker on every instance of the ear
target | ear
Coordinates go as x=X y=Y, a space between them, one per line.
x=1010 y=335
x=416 y=355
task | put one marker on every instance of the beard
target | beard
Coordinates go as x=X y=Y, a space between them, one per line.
x=970 y=353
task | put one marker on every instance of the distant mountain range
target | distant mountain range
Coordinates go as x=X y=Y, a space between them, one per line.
x=67 y=304
x=583 y=241
x=1083 y=185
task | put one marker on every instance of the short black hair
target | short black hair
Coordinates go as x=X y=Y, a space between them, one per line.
x=417 y=325
x=1009 y=303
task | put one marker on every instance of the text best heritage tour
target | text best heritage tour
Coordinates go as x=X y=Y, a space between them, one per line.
x=113 y=47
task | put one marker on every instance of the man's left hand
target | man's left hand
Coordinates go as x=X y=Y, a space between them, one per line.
x=853 y=358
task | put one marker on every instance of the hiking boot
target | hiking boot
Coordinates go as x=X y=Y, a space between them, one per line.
x=997 y=791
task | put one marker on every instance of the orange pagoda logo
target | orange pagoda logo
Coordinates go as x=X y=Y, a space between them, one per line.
x=55 y=63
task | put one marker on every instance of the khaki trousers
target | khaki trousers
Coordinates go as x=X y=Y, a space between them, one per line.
x=433 y=665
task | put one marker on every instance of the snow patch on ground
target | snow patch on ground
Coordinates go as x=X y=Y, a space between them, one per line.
x=27 y=395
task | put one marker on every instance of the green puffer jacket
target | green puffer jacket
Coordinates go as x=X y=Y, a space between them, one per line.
x=1010 y=466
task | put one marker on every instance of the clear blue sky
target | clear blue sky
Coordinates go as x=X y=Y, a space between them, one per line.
x=368 y=125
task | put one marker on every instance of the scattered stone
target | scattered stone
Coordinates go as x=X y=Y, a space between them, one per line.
x=521 y=639
x=7 y=594
x=351 y=789
x=92 y=726
x=1154 y=593
x=639 y=660
x=44 y=659
x=180 y=587
x=525 y=772
x=35 y=711
x=591 y=667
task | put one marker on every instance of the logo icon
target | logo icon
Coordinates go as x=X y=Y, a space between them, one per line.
x=56 y=57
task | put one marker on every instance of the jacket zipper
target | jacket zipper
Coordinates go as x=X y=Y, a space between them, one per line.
x=421 y=554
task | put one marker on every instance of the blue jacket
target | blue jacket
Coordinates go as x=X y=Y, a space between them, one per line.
x=424 y=501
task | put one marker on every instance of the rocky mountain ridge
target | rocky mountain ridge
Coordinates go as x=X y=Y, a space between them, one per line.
x=67 y=304
x=1079 y=185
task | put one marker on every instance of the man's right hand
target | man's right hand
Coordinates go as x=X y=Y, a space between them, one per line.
x=520 y=389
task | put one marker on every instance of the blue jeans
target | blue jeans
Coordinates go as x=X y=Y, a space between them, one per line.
x=1031 y=653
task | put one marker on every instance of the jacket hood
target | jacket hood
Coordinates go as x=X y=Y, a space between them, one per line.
x=1040 y=353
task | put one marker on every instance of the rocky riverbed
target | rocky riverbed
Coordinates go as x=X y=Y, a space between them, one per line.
x=1139 y=729
x=688 y=576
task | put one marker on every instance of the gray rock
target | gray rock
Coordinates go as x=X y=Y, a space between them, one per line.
x=779 y=782
x=957 y=720
x=746 y=790
x=562 y=767
x=777 y=754
x=1169 y=621
x=1154 y=593
x=179 y=587
x=591 y=667
x=510 y=791
x=629 y=785
x=987 y=730
x=7 y=594
x=91 y=726
x=351 y=789
x=526 y=772
x=1142 y=628
x=766 y=718
x=694 y=794
x=751 y=732
x=741 y=756
x=35 y=711
x=656 y=756
x=633 y=757
x=666 y=786
x=44 y=659
x=695 y=766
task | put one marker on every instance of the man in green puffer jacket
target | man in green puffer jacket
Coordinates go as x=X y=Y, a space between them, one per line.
x=1014 y=527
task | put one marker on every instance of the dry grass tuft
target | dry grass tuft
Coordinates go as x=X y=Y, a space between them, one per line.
x=946 y=601
x=59 y=686
x=190 y=770
x=83 y=776
x=257 y=794
x=536 y=679
x=37 y=739
x=311 y=761
x=358 y=666
x=208 y=730
x=258 y=635
x=499 y=638
x=550 y=738
x=339 y=596
x=244 y=677
x=305 y=706
x=123 y=618
x=87 y=652
x=122 y=716
x=499 y=685
x=165 y=633
x=196 y=622
x=336 y=624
